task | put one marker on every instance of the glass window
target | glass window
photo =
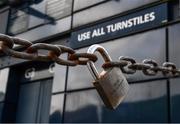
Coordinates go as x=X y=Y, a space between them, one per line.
x=81 y=4
x=37 y=14
x=57 y=102
x=1 y=110
x=83 y=106
x=174 y=44
x=3 y=21
x=18 y=20
x=45 y=31
x=59 y=78
x=175 y=100
x=79 y=77
x=145 y=102
x=28 y=103
x=57 y=9
x=107 y=9
x=34 y=102
x=174 y=8
x=174 y=83
x=179 y=8
x=29 y=92
x=4 y=73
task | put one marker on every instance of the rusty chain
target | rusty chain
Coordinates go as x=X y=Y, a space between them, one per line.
x=54 y=51
x=148 y=67
x=128 y=65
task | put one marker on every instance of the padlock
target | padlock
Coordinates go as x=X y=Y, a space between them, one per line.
x=111 y=84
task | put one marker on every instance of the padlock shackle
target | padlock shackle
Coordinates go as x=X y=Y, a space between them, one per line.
x=90 y=64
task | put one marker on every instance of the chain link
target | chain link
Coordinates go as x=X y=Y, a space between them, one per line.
x=148 y=67
x=128 y=65
x=54 y=51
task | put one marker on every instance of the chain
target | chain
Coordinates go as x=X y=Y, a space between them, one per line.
x=54 y=51
x=128 y=65
x=148 y=67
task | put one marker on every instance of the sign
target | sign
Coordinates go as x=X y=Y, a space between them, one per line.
x=125 y=25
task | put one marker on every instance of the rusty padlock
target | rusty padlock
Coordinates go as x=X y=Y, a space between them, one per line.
x=111 y=84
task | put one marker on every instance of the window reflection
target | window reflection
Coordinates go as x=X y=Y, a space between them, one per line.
x=107 y=9
x=83 y=106
x=174 y=44
x=58 y=9
x=4 y=73
x=28 y=103
x=3 y=21
x=79 y=77
x=1 y=110
x=56 y=108
x=174 y=8
x=175 y=100
x=34 y=102
x=59 y=77
x=80 y=4
x=146 y=102
x=174 y=83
